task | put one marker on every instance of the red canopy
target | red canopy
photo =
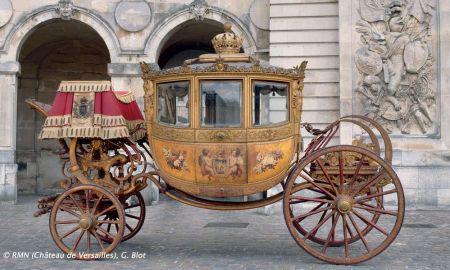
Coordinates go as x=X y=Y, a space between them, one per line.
x=93 y=110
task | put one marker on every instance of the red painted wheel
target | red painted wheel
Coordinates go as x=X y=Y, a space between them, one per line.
x=343 y=204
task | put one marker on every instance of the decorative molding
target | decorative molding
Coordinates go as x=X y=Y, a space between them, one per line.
x=149 y=72
x=133 y=16
x=6 y=12
x=225 y=135
x=172 y=134
x=270 y=134
x=396 y=63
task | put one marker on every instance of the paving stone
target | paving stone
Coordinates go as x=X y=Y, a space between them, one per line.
x=174 y=237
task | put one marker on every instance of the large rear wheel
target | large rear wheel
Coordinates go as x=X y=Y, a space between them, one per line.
x=343 y=204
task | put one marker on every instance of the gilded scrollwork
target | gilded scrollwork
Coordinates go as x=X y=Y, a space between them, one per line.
x=297 y=89
x=238 y=135
x=174 y=134
x=269 y=134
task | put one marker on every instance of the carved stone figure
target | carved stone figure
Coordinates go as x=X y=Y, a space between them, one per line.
x=199 y=8
x=395 y=63
x=65 y=9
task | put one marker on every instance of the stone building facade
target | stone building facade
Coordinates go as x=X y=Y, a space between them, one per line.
x=387 y=59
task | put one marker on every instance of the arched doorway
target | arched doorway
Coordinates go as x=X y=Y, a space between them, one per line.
x=56 y=50
x=188 y=40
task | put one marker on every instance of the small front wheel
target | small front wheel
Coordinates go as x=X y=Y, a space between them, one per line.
x=76 y=226
x=343 y=204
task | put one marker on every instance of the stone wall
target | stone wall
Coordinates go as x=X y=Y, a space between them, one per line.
x=309 y=30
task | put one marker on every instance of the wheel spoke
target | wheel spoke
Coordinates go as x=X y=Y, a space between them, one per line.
x=344 y=229
x=86 y=192
x=370 y=223
x=379 y=194
x=74 y=229
x=129 y=227
x=317 y=227
x=370 y=182
x=313 y=182
x=349 y=230
x=68 y=210
x=94 y=208
x=301 y=217
x=132 y=216
x=377 y=210
x=76 y=203
x=112 y=207
x=331 y=233
x=358 y=168
x=107 y=221
x=77 y=241
x=132 y=206
x=361 y=236
x=98 y=239
x=88 y=242
x=105 y=232
x=300 y=199
x=327 y=177
x=341 y=172
x=72 y=221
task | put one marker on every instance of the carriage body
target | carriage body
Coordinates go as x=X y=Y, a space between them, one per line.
x=223 y=129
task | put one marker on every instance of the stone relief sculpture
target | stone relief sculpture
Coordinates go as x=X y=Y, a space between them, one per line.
x=395 y=64
x=65 y=9
x=199 y=8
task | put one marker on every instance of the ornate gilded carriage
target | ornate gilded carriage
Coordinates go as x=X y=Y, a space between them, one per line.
x=226 y=128
x=220 y=125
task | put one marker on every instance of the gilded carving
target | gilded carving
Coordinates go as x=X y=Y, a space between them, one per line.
x=297 y=88
x=269 y=134
x=395 y=64
x=173 y=134
x=228 y=135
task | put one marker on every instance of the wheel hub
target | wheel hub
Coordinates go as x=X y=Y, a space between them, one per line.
x=344 y=205
x=85 y=222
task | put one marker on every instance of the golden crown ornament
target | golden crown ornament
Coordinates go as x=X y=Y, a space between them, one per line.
x=228 y=42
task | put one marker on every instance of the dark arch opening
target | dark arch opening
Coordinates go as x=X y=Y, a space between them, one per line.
x=188 y=40
x=56 y=50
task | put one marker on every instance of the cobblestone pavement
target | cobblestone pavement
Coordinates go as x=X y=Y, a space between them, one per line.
x=174 y=237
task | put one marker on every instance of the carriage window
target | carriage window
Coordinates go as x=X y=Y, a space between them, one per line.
x=173 y=103
x=270 y=103
x=221 y=103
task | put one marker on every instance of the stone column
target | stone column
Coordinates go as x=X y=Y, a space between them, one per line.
x=127 y=76
x=8 y=114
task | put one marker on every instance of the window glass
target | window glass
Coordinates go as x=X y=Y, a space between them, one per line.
x=173 y=103
x=221 y=103
x=270 y=103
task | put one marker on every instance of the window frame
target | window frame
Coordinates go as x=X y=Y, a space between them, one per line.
x=156 y=98
x=242 y=80
x=288 y=102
